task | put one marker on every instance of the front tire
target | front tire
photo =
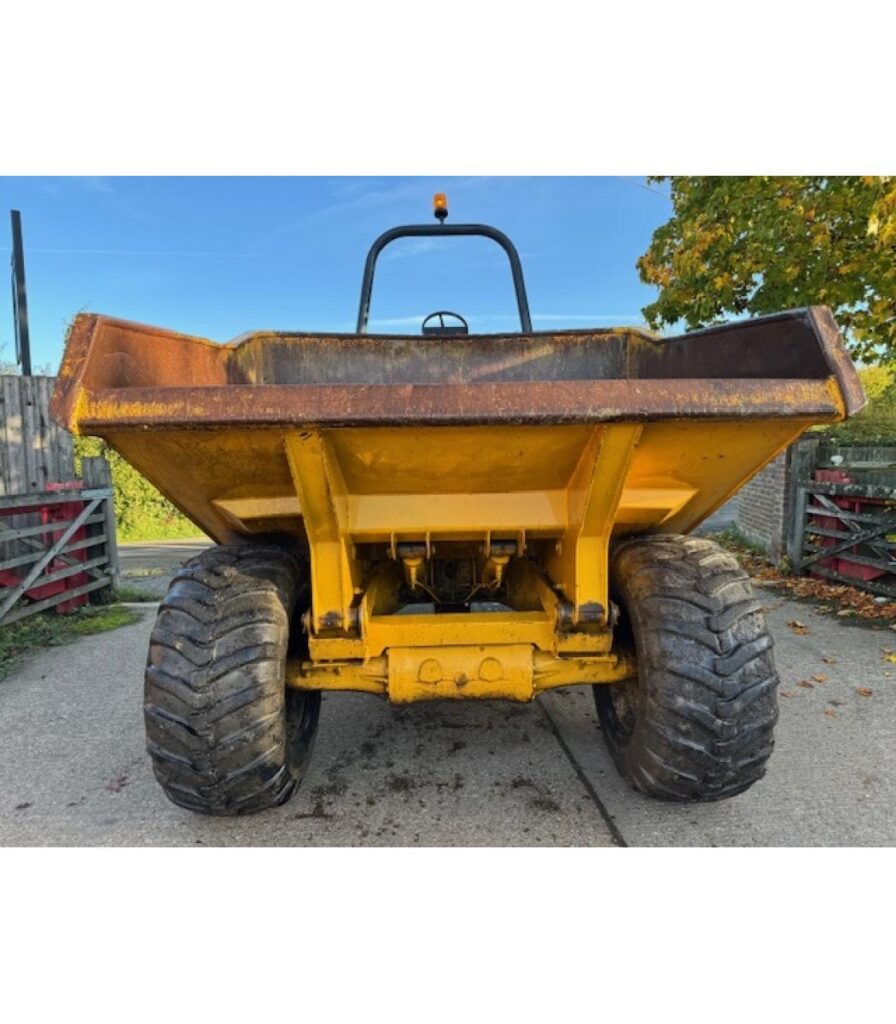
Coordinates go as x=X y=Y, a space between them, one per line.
x=225 y=735
x=697 y=722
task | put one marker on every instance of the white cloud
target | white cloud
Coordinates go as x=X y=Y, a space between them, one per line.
x=408 y=248
x=149 y=252
x=93 y=183
x=588 y=317
x=413 y=198
x=497 y=319
x=397 y=321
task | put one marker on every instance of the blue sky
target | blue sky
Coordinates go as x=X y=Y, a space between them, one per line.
x=219 y=256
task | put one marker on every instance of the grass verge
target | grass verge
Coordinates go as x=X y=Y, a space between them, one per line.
x=135 y=595
x=47 y=629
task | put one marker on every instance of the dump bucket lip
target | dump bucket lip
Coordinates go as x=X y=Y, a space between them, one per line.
x=577 y=332
x=559 y=402
x=84 y=403
x=547 y=332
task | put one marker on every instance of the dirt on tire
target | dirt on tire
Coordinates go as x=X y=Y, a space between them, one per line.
x=224 y=733
x=698 y=721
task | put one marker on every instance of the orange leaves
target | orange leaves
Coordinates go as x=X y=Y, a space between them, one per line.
x=811 y=238
x=850 y=601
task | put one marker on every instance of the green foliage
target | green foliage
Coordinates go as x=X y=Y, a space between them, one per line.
x=141 y=511
x=876 y=380
x=876 y=423
x=47 y=629
x=753 y=245
x=10 y=368
x=732 y=539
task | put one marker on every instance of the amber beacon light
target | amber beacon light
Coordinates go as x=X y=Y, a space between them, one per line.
x=440 y=206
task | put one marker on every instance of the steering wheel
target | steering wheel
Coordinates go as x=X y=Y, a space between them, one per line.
x=442 y=328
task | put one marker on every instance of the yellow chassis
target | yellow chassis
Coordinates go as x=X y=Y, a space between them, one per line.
x=560 y=629
x=532 y=451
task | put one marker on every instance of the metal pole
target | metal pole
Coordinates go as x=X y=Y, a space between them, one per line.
x=19 y=297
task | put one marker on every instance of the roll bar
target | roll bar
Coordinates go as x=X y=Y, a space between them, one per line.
x=436 y=231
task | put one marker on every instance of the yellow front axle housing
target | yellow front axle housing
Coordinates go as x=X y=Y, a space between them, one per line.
x=515 y=672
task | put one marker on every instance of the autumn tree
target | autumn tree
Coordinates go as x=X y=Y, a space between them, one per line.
x=753 y=245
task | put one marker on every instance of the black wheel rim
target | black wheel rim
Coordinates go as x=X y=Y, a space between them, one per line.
x=302 y=714
x=622 y=706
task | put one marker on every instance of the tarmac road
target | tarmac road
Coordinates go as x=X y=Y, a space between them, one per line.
x=73 y=769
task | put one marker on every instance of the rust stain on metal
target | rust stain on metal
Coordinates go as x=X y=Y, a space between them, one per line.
x=120 y=374
x=846 y=379
x=412 y=404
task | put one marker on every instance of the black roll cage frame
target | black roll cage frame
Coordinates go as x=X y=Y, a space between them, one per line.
x=436 y=231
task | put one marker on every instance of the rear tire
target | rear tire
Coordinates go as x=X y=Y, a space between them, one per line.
x=225 y=735
x=697 y=722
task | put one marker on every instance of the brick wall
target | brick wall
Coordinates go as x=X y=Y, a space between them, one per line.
x=762 y=511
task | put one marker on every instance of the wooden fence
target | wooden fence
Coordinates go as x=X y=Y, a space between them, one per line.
x=57 y=534
x=34 y=451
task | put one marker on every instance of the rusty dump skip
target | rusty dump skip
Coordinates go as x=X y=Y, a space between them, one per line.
x=119 y=374
x=394 y=426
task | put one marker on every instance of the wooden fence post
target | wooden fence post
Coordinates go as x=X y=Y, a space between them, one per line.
x=96 y=472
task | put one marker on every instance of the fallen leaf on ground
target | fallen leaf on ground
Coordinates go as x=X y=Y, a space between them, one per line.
x=806 y=685
x=836 y=703
x=786 y=693
x=863 y=691
x=830 y=712
x=829 y=661
x=890 y=657
x=117 y=785
x=850 y=600
x=820 y=678
x=798 y=627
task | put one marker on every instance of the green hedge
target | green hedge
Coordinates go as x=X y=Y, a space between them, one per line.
x=141 y=511
x=876 y=423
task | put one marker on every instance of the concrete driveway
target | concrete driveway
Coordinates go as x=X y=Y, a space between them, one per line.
x=73 y=769
x=149 y=566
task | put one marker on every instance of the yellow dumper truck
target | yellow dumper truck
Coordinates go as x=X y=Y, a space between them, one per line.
x=455 y=516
